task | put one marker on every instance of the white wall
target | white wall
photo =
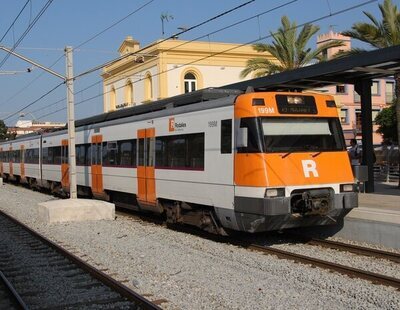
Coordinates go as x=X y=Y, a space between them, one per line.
x=138 y=87
x=213 y=76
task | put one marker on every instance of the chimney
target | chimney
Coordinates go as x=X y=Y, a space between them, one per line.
x=129 y=46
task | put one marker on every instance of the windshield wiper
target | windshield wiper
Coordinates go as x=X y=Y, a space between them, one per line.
x=316 y=154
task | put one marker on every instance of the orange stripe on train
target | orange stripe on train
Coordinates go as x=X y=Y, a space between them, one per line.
x=278 y=170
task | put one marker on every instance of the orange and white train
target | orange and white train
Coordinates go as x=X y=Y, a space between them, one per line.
x=217 y=159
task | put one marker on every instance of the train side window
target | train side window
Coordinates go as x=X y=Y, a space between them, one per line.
x=45 y=152
x=57 y=155
x=93 y=154
x=226 y=136
x=254 y=135
x=140 y=152
x=88 y=152
x=196 y=151
x=180 y=152
x=110 y=153
x=127 y=153
x=80 y=155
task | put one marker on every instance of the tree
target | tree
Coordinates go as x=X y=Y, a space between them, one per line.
x=289 y=48
x=381 y=34
x=3 y=131
x=386 y=120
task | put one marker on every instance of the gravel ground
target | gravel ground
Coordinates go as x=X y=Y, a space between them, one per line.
x=194 y=273
x=371 y=264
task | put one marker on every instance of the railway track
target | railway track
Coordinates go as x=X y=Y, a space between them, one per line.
x=38 y=274
x=303 y=259
x=346 y=270
x=9 y=298
x=394 y=257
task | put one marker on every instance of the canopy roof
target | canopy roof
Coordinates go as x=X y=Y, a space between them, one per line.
x=347 y=70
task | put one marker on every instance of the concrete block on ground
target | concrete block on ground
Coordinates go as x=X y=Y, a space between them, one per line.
x=75 y=210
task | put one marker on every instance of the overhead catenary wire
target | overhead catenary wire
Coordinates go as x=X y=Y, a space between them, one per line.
x=28 y=29
x=79 y=45
x=14 y=21
x=65 y=98
x=197 y=38
x=331 y=14
x=33 y=102
x=170 y=37
x=218 y=53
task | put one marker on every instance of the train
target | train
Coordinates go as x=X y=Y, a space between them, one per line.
x=222 y=160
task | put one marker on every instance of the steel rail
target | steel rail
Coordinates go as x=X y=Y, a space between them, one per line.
x=342 y=269
x=356 y=249
x=99 y=275
x=13 y=292
x=346 y=270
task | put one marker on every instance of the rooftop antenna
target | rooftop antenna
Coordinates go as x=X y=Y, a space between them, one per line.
x=332 y=28
x=165 y=17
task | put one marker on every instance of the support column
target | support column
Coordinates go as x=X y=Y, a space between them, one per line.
x=71 y=124
x=363 y=88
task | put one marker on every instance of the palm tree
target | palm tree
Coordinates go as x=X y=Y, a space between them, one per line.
x=381 y=34
x=289 y=49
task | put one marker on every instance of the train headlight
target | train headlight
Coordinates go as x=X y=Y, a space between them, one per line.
x=295 y=100
x=347 y=188
x=274 y=192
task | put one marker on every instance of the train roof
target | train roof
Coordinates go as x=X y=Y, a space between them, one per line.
x=192 y=98
x=195 y=97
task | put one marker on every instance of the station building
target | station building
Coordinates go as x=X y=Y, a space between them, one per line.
x=23 y=127
x=171 y=67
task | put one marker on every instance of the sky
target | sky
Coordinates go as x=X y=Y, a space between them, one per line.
x=74 y=22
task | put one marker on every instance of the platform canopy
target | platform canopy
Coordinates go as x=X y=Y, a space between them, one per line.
x=347 y=70
x=358 y=69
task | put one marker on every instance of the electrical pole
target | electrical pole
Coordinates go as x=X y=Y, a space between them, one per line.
x=69 y=80
x=71 y=122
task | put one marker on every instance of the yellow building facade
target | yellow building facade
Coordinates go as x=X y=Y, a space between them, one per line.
x=172 y=67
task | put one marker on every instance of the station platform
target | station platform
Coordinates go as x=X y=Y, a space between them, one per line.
x=375 y=221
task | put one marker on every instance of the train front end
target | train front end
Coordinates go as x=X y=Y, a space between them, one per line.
x=291 y=168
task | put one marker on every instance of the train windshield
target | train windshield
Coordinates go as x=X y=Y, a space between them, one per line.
x=288 y=134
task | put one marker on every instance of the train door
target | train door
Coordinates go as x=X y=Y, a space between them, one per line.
x=11 y=158
x=96 y=165
x=1 y=162
x=145 y=166
x=64 y=164
x=21 y=163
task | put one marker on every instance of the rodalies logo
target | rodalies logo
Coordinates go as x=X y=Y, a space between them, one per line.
x=173 y=126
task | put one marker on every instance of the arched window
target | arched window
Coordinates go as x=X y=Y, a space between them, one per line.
x=129 y=92
x=112 y=99
x=190 y=82
x=148 y=88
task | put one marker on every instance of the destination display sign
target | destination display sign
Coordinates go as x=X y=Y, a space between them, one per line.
x=296 y=104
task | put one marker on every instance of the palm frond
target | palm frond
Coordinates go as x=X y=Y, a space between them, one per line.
x=351 y=52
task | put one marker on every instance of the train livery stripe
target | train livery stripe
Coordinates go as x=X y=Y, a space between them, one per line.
x=150 y=173
x=64 y=166
x=145 y=169
x=97 y=170
x=141 y=169
x=302 y=169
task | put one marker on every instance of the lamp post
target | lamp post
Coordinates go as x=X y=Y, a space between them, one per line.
x=69 y=81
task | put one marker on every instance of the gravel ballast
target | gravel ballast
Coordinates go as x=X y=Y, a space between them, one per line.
x=195 y=273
